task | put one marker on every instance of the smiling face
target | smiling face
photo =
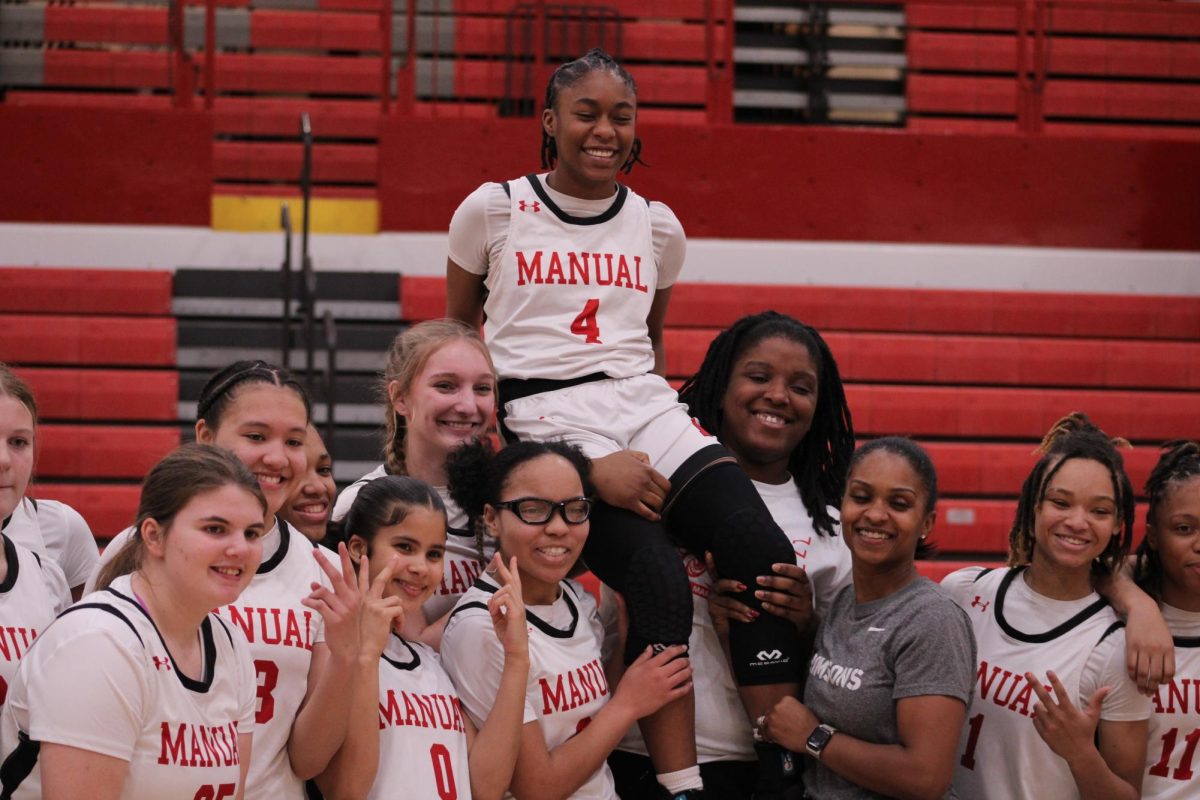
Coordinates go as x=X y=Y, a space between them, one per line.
x=308 y=510
x=451 y=402
x=212 y=547
x=545 y=553
x=418 y=543
x=265 y=427
x=16 y=452
x=1076 y=518
x=768 y=406
x=592 y=124
x=884 y=512
x=1175 y=535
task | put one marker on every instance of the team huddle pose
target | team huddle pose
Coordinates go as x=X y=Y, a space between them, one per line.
x=764 y=632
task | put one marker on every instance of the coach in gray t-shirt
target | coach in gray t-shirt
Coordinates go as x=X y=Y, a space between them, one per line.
x=913 y=642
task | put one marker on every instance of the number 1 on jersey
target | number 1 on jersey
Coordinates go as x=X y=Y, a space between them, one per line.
x=585 y=324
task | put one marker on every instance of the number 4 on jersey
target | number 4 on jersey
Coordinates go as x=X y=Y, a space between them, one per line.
x=585 y=324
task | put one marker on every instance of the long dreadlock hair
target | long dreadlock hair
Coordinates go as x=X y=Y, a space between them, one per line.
x=820 y=462
x=1179 y=463
x=570 y=73
x=1074 y=436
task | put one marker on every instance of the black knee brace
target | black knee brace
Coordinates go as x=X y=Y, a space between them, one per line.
x=637 y=559
x=719 y=511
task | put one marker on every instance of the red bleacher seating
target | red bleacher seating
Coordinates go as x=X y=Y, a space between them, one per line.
x=108 y=509
x=96 y=452
x=105 y=394
x=85 y=291
x=82 y=341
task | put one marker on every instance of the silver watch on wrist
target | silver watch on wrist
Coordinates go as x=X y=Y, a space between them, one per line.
x=818 y=739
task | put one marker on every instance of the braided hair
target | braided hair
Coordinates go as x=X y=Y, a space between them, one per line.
x=1074 y=436
x=384 y=502
x=219 y=391
x=1179 y=463
x=820 y=462
x=570 y=73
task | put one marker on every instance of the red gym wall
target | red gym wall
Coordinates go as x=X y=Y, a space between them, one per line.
x=105 y=166
x=774 y=182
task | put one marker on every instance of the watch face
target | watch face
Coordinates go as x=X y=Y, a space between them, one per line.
x=818 y=739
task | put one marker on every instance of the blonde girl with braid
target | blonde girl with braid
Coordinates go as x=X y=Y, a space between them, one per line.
x=439 y=389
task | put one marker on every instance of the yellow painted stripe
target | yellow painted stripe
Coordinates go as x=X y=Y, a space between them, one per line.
x=326 y=214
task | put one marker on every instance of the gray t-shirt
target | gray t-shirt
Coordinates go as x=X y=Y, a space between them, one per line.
x=914 y=642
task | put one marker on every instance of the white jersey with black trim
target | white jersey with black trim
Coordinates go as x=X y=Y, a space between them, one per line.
x=723 y=732
x=54 y=529
x=567 y=685
x=1172 y=768
x=422 y=733
x=1017 y=630
x=32 y=594
x=461 y=566
x=100 y=678
x=281 y=633
x=569 y=293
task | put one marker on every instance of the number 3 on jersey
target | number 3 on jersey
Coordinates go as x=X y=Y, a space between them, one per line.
x=585 y=324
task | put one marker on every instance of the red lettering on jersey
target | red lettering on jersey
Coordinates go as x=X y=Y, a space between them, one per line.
x=607 y=281
x=579 y=268
x=637 y=266
x=527 y=272
x=554 y=269
x=694 y=566
x=188 y=745
x=421 y=711
x=623 y=273
x=573 y=688
x=15 y=641
x=987 y=675
x=1182 y=694
x=275 y=626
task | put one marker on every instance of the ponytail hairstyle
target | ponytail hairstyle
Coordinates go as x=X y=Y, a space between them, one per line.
x=1179 y=463
x=406 y=357
x=170 y=485
x=570 y=73
x=920 y=462
x=1074 y=436
x=820 y=462
x=223 y=386
x=384 y=502
x=478 y=473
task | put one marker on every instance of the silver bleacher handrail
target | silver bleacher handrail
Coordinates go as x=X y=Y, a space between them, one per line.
x=330 y=381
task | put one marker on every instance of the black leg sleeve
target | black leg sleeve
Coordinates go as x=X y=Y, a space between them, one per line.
x=720 y=511
x=636 y=558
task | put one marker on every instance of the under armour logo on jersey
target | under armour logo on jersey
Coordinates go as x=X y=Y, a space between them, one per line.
x=980 y=603
x=161 y=662
x=535 y=206
x=769 y=655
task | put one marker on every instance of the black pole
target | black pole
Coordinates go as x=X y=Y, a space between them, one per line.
x=285 y=270
x=330 y=382
x=309 y=281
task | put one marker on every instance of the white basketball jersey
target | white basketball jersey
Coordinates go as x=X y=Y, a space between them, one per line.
x=422 y=734
x=569 y=296
x=1001 y=755
x=101 y=679
x=1172 y=766
x=461 y=565
x=281 y=633
x=54 y=529
x=567 y=685
x=31 y=595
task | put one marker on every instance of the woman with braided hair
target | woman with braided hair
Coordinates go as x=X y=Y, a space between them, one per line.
x=1168 y=568
x=769 y=387
x=1041 y=619
x=574 y=273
